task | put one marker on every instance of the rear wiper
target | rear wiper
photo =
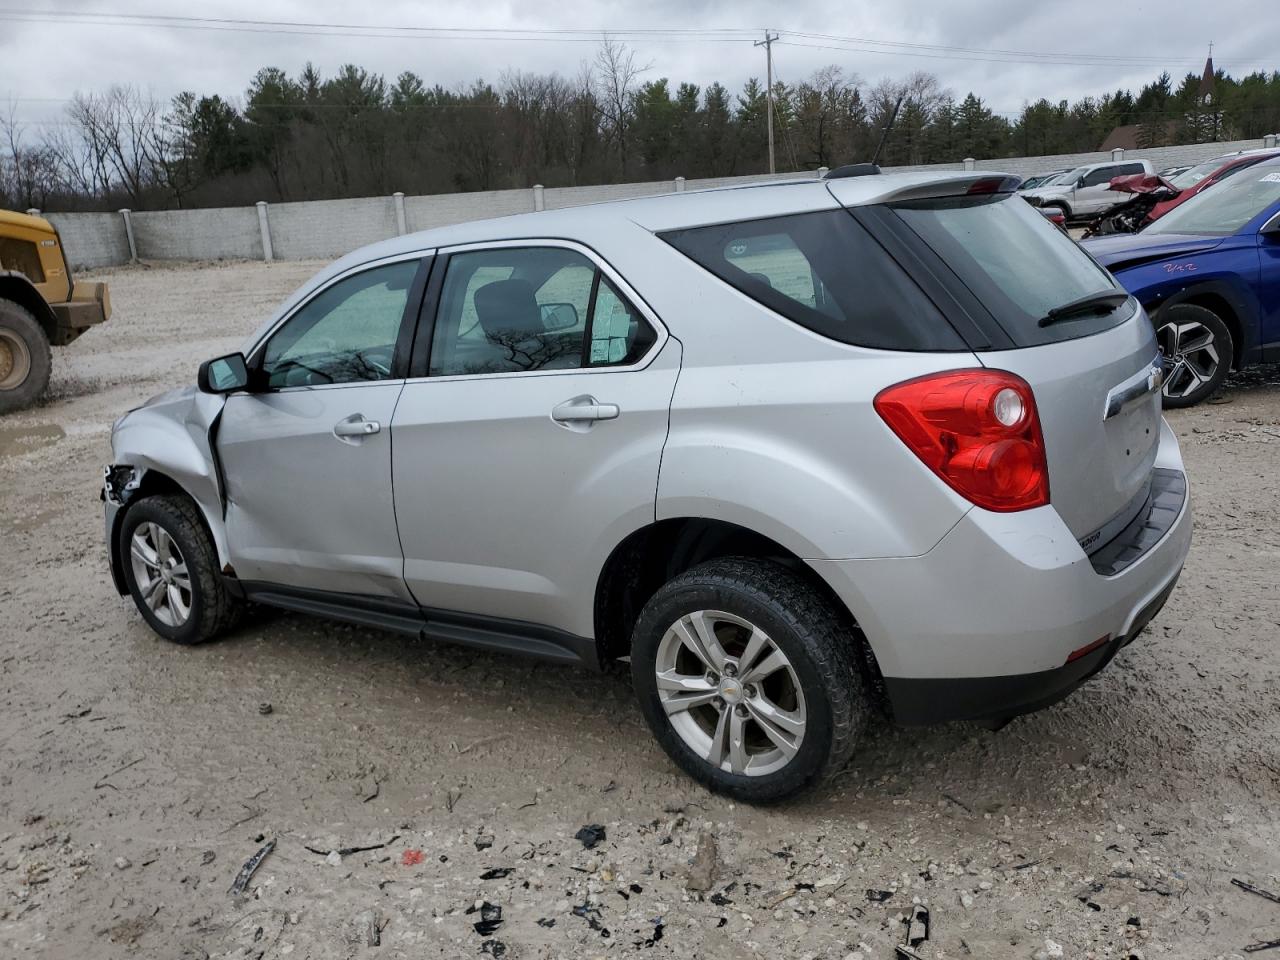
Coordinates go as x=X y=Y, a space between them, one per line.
x=1094 y=303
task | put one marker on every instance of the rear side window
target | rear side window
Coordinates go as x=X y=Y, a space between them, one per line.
x=1016 y=263
x=825 y=272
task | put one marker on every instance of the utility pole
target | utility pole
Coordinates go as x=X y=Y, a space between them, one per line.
x=767 y=43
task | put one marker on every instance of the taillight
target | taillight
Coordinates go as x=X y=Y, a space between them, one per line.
x=976 y=429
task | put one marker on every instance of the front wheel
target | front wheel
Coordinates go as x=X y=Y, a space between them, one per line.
x=25 y=360
x=746 y=675
x=1197 y=350
x=171 y=568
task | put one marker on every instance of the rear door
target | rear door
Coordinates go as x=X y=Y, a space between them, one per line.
x=1091 y=370
x=528 y=440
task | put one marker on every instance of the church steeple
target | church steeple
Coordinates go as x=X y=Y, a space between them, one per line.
x=1207 y=79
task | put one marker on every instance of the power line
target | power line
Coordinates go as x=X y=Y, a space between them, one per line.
x=593 y=35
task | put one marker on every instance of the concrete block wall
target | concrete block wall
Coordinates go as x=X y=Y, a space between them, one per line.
x=215 y=233
x=92 y=239
x=426 y=213
x=324 y=229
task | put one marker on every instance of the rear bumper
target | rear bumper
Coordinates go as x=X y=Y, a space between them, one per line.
x=918 y=701
x=984 y=625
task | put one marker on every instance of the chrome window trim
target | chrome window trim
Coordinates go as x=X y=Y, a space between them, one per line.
x=626 y=289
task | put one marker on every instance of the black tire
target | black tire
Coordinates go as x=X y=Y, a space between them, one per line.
x=212 y=609
x=805 y=627
x=25 y=358
x=1193 y=377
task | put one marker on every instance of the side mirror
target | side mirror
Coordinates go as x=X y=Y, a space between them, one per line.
x=1079 y=183
x=223 y=374
x=1271 y=229
x=558 y=316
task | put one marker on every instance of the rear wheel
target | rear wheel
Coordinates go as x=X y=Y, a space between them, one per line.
x=171 y=568
x=25 y=359
x=1197 y=349
x=747 y=678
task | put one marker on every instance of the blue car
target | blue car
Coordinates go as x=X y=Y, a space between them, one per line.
x=1208 y=273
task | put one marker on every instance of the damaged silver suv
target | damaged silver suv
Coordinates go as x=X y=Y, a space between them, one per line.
x=799 y=451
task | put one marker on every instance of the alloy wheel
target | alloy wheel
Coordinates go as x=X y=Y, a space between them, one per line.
x=1191 y=356
x=160 y=571
x=15 y=360
x=730 y=693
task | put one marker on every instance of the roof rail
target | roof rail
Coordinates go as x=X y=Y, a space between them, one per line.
x=852 y=170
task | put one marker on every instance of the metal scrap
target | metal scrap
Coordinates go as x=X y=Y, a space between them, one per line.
x=250 y=867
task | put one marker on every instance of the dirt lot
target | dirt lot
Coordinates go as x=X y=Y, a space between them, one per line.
x=139 y=776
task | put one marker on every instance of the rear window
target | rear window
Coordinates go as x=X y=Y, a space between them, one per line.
x=825 y=272
x=1018 y=264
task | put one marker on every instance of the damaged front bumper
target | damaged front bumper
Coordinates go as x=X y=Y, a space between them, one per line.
x=118 y=485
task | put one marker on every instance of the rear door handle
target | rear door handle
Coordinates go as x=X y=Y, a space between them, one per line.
x=584 y=409
x=355 y=426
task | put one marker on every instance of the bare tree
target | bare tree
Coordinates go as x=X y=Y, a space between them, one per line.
x=615 y=74
x=121 y=130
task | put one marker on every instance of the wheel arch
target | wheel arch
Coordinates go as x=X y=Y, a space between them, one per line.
x=16 y=288
x=652 y=555
x=1223 y=299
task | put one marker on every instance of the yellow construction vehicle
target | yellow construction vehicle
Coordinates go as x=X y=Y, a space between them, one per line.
x=40 y=306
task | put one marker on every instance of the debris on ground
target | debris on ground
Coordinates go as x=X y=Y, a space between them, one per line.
x=123 y=863
x=411 y=857
x=484 y=841
x=590 y=835
x=590 y=913
x=702 y=871
x=266 y=709
x=490 y=917
x=250 y=867
x=497 y=873
x=366 y=929
x=1265 y=894
x=348 y=851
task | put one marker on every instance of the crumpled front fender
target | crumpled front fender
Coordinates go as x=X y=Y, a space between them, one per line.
x=173 y=436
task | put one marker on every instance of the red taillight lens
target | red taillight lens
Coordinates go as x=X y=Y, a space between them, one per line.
x=976 y=429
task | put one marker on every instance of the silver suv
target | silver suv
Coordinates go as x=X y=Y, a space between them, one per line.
x=1085 y=191
x=799 y=451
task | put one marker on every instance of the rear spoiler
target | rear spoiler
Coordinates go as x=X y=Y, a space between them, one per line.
x=859 y=190
x=973 y=186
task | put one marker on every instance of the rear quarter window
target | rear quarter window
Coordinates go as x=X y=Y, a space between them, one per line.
x=825 y=272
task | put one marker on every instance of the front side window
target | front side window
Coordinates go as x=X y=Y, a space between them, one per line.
x=347 y=333
x=1102 y=175
x=523 y=309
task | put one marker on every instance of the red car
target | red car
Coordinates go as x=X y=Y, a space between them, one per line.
x=1205 y=175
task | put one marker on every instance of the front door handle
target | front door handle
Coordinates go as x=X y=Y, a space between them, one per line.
x=355 y=426
x=584 y=409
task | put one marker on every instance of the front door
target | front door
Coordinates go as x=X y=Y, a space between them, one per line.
x=307 y=453
x=530 y=446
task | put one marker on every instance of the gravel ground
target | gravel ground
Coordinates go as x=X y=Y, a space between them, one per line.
x=140 y=776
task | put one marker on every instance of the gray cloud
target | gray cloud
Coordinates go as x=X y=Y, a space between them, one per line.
x=44 y=63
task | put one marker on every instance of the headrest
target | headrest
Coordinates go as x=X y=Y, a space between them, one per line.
x=507 y=307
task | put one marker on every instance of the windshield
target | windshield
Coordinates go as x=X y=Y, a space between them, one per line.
x=1189 y=178
x=1017 y=263
x=1226 y=208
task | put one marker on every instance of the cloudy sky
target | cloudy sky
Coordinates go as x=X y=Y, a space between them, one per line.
x=1007 y=51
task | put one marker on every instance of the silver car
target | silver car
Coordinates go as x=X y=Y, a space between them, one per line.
x=798 y=451
x=1085 y=191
